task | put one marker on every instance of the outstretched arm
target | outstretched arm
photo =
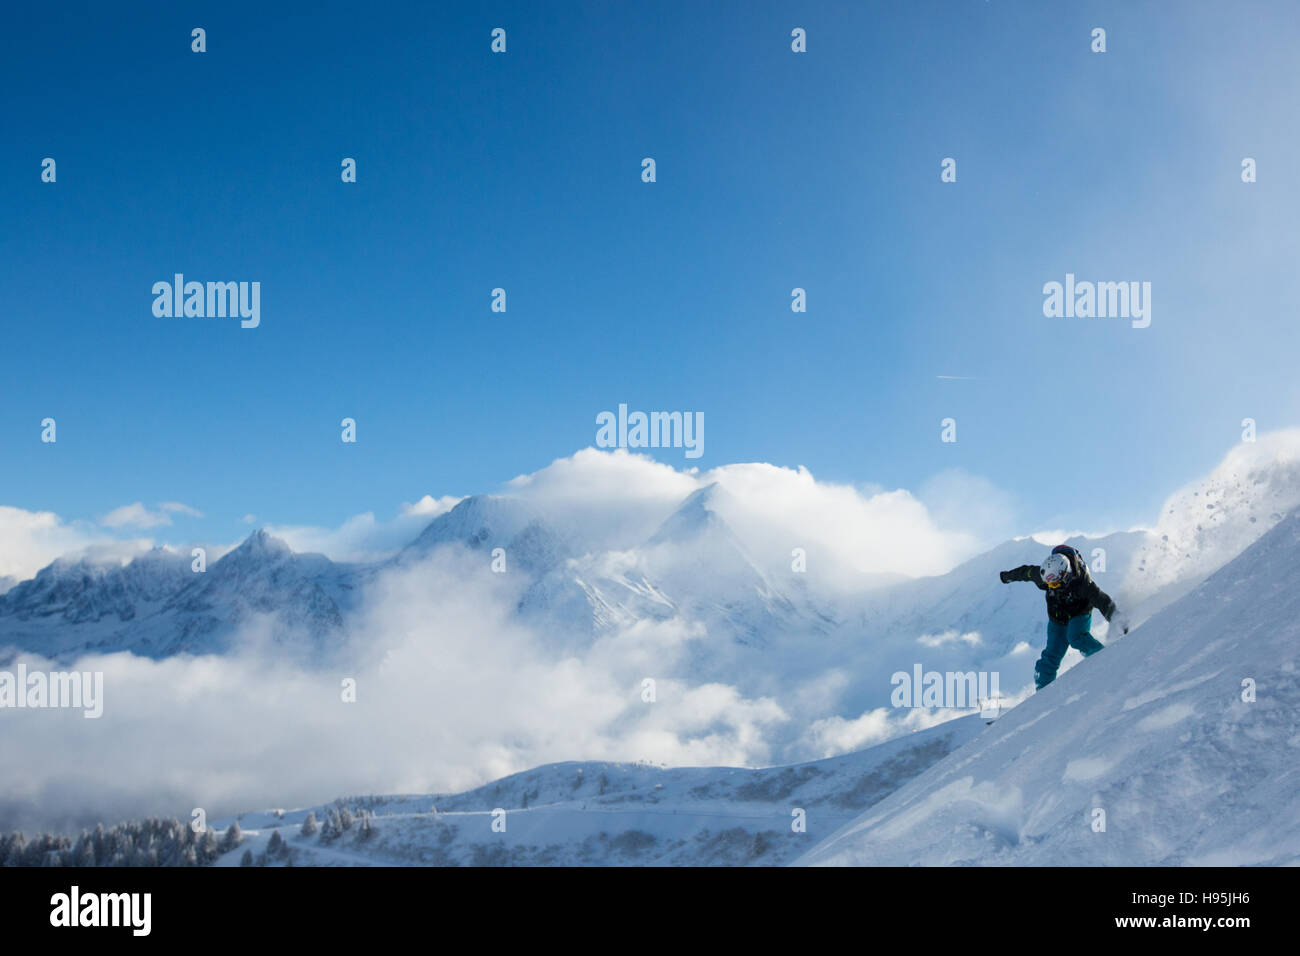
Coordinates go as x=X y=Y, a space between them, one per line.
x=1101 y=601
x=1104 y=604
x=1026 y=572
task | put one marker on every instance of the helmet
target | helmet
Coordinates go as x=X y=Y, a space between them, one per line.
x=1056 y=571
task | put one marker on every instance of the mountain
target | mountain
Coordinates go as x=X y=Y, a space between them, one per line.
x=157 y=605
x=1185 y=734
x=307 y=594
x=591 y=813
x=82 y=590
x=704 y=608
x=696 y=556
x=1210 y=520
x=752 y=621
x=477 y=522
x=488 y=522
x=694 y=567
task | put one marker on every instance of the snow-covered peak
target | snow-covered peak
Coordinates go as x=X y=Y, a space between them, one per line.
x=696 y=516
x=84 y=588
x=260 y=546
x=477 y=521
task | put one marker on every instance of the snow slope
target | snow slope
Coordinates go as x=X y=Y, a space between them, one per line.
x=580 y=814
x=1153 y=731
x=1219 y=516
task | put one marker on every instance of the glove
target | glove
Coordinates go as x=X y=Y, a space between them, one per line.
x=1005 y=576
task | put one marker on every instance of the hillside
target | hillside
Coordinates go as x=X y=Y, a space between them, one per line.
x=1153 y=732
x=588 y=813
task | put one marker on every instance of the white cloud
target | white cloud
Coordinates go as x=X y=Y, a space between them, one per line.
x=362 y=538
x=970 y=504
x=616 y=496
x=849 y=531
x=451 y=692
x=971 y=638
x=138 y=516
x=135 y=516
x=429 y=506
x=835 y=735
x=29 y=540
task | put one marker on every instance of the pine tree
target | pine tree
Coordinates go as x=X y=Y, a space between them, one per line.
x=207 y=848
x=232 y=838
x=332 y=828
x=85 y=854
x=309 y=826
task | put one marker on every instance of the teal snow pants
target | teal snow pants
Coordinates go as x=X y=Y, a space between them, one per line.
x=1077 y=634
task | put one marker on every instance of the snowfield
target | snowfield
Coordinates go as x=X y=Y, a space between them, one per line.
x=1151 y=737
x=583 y=814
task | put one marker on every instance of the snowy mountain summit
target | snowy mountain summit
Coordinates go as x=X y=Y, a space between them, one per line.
x=158 y=604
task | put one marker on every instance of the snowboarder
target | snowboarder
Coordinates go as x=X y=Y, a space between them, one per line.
x=1071 y=595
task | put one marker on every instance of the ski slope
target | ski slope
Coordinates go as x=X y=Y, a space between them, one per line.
x=1153 y=732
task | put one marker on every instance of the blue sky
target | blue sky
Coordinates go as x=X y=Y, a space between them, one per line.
x=522 y=170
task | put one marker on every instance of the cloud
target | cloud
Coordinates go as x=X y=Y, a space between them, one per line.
x=138 y=516
x=451 y=692
x=833 y=736
x=362 y=538
x=429 y=506
x=849 y=531
x=950 y=637
x=617 y=497
x=29 y=540
x=957 y=500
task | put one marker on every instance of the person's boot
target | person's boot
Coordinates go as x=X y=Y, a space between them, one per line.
x=1042 y=676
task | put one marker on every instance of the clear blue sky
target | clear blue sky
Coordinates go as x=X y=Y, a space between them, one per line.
x=775 y=170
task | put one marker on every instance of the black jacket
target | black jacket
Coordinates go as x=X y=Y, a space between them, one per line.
x=1080 y=596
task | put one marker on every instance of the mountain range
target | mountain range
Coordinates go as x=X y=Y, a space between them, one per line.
x=762 y=625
